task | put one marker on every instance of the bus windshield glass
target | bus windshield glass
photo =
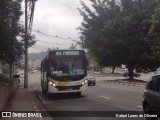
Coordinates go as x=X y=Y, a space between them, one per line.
x=67 y=66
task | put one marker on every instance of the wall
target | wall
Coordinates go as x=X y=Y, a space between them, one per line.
x=6 y=91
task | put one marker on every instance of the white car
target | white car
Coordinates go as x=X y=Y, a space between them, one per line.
x=151 y=102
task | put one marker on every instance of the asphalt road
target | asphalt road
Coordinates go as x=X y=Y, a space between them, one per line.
x=102 y=97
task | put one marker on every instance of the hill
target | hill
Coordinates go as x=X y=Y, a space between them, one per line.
x=36 y=56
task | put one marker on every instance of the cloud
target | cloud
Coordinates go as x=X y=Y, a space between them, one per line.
x=57 y=17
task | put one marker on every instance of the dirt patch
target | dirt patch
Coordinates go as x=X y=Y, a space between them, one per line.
x=129 y=81
x=133 y=80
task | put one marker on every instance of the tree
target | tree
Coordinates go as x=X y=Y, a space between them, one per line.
x=11 y=48
x=154 y=32
x=117 y=33
x=134 y=34
x=72 y=46
x=93 y=30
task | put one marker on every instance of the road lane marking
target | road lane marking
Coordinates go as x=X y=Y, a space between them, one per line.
x=139 y=106
x=105 y=97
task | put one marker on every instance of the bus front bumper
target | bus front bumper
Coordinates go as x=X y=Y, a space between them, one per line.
x=67 y=89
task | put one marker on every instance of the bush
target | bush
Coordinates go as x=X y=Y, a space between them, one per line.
x=4 y=79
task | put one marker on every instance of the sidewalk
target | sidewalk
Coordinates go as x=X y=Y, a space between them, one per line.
x=25 y=100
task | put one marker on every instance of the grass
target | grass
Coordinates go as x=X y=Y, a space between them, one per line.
x=105 y=74
x=4 y=79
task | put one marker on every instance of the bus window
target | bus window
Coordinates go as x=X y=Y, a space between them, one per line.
x=67 y=67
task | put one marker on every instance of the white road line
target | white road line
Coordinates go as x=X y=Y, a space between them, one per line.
x=105 y=97
x=139 y=106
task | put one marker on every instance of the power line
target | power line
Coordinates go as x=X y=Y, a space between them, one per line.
x=39 y=48
x=54 y=36
x=53 y=43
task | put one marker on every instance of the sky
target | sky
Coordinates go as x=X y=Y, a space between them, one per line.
x=57 y=18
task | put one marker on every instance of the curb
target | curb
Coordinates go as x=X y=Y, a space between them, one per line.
x=126 y=83
x=43 y=102
x=39 y=97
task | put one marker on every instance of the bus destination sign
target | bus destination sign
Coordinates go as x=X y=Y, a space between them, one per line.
x=67 y=53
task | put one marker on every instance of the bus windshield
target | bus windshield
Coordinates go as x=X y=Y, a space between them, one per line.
x=67 y=66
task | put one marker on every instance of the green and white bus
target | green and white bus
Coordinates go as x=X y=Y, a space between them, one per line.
x=64 y=71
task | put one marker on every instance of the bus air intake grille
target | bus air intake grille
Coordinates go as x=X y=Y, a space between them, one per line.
x=61 y=88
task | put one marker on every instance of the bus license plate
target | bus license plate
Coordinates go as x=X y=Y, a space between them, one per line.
x=69 y=89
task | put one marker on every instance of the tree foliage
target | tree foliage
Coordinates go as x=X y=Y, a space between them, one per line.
x=12 y=32
x=10 y=47
x=120 y=32
x=154 y=32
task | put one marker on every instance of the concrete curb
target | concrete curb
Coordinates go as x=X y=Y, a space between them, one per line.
x=41 y=99
x=7 y=91
x=126 y=83
x=44 y=104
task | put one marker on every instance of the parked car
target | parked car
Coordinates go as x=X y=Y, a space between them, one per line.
x=126 y=74
x=91 y=80
x=151 y=96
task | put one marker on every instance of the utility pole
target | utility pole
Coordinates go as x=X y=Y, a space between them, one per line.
x=26 y=48
x=82 y=38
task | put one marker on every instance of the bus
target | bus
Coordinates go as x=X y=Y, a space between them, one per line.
x=64 y=71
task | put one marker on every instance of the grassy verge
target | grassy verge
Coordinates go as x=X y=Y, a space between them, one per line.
x=4 y=79
x=104 y=74
x=134 y=80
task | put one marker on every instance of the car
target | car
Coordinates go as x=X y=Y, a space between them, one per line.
x=151 y=97
x=91 y=80
x=126 y=74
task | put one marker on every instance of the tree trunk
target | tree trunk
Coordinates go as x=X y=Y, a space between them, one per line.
x=130 y=70
x=101 y=70
x=11 y=70
x=113 y=68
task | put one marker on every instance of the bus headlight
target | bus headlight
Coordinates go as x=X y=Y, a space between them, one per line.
x=84 y=82
x=53 y=84
x=50 y=83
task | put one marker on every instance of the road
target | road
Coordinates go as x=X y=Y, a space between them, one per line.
x=102 y=97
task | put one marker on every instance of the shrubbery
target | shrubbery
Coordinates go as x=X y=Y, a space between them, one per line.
x=4 y=79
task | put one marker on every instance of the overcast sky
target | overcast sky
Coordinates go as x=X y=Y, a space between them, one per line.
x=58 y=18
